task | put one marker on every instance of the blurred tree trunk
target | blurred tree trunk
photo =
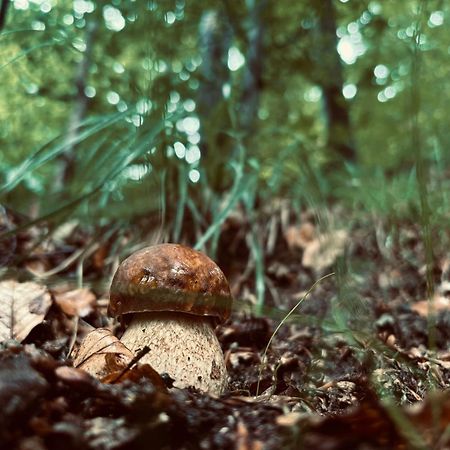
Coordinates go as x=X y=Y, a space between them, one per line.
x=3 y=13
x=216 y=31
x=78 y=114
x=252 y=82
x=340 y=136
x=215 y=39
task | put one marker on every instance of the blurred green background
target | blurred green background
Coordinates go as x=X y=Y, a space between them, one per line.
x=115 y=110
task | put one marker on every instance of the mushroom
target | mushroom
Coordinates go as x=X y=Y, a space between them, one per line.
x=174 y=297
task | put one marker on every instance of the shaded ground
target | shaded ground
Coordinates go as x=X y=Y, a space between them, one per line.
x=338 y=374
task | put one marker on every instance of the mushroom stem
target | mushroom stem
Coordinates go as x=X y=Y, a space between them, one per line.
x=182 y=345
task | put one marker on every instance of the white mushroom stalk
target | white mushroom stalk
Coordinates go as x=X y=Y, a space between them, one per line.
x=182 y=345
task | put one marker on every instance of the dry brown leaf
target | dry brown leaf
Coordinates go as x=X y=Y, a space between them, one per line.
x=322 y=252
x=22 y=307
x=79 y=302
x=424 y=307
x=135 y=374
x=101 y=353
x=243 y=439
x=300 y=236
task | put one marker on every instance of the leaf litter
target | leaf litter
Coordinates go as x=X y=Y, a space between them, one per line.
x=320 y=387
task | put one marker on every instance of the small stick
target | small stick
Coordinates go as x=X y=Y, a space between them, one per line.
x=136 y=359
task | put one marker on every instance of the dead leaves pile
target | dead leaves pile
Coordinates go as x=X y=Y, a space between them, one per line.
x=66 y=385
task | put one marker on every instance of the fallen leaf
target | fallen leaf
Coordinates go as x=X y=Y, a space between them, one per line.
x=322 y=252
x=79 y=302
x=300 y=236
x=424 y=307
x=101 y=353
x=135 y=374
x=22 y=307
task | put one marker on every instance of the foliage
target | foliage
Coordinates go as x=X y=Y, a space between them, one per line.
x=183 y=113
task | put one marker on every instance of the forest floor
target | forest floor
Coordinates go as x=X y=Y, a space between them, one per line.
x=363 y=362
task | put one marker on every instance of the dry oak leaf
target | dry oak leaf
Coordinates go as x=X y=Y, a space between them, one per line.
x=300 y=236
x=322 y=252
x=22 y=307
x=425 y=307
x=101 y=353
x=79 y=302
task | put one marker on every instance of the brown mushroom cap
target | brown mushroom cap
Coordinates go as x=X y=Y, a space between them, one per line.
x=170 y=277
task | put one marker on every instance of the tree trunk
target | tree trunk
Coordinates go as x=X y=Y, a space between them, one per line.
x=340 y=136
x=252 y=83
x=215 y=38
x=3 y=13
x=79 y=109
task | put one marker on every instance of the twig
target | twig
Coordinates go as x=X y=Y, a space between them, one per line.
x=136 y=359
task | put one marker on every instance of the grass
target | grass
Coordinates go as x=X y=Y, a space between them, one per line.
x=283 y=321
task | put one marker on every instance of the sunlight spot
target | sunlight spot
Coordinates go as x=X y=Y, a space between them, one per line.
x=113 y=18
x=193 y=154
x=89 y=91
x=235 y=59
x=374 y=8
x=226 y=90
x=171 y=107
x=436 y=19
x=143 y=106
x=184 y=75
x=349 y=91
x=122 y=106
x=189 y=125
x=194 y=175
x=174 y=97
x=365 y=18
x=180 y=149
x=37 y=25
x=352 y=27
x=79 y=44
x=45 y=7
x=410 y=31
x=387 y=94
x=82 y=7
x=137 y=120
x=189 y=105
x=136 y=172
x=112 y=97
x=349 y=50
x=390 y=92
x=21 y=4
x=161 y=66
x=32 y=88
x=170 y=18
x=118 y=68
x=68 y=19
x=381 y=71
x=314 y=94
x=381 y=97
x=194 y=138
